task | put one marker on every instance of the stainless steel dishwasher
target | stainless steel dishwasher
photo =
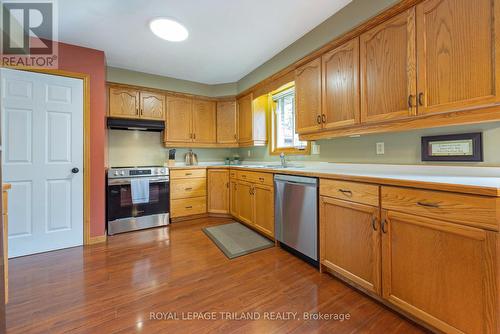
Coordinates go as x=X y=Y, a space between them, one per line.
x=296 y=213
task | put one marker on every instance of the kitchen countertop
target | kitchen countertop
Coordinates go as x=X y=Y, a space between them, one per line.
x=470 y=180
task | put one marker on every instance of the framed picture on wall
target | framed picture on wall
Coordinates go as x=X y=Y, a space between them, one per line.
x=455 y=147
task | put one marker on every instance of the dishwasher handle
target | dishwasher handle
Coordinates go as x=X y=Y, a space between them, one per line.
x=297 y=180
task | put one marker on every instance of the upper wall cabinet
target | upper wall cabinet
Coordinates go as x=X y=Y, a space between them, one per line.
x=132 y=103
x=308 y=97
x=123 y=102
x=456 y=54
x=204 y=122
x=341 y=86
x=190 y=122
x=252 y=121
x=227 y=123
x=152 y=105
x=179 y=120
x=388 y=70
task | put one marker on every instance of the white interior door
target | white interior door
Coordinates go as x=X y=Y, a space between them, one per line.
x=42 y=129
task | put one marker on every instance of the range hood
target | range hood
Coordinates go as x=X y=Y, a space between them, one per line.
x=136 y=124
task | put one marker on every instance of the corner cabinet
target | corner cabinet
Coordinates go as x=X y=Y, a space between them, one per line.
x=137 y=104
x=440 y=272
x=308 y=97
x=252 y=121
x=388 y=69
x=457 y=54
x=227 y=123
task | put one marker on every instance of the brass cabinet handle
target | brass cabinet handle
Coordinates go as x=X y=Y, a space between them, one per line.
x=318 y=119
x=346 y=192
x=384 y=224
x=421 y=99
x=227 y=185
x=261 y=179
x=187 y=174
x=235 y=136
x=428 y=205
x=410 y=101
x=323 y=118
x=374 y=223
x=188 y=189
x=194 y=135
x=189 y=207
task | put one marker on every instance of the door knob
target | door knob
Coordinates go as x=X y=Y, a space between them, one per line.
x=75 y=170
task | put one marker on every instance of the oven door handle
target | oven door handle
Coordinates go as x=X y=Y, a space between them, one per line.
x=118 y=182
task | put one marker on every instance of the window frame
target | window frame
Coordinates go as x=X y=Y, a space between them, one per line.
x=273 y=149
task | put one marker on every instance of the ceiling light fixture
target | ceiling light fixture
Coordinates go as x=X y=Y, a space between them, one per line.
x=168 y=29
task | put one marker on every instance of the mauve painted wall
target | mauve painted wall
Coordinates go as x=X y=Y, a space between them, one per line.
x=92 y=62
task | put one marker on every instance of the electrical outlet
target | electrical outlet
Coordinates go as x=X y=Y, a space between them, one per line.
x=315 y=148
x=249 y=153
x=380 y=148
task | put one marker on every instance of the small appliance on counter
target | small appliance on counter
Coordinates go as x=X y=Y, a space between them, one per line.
x=137 y=198
x=191 y=158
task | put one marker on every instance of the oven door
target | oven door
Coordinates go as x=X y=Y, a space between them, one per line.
x=120 y=204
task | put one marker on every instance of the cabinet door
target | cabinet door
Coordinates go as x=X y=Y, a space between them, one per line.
x=341 y=86
x=245 y=115
x=218 y=191
x=123 y=102
x=227 y=123
x=388 y=71
x=440 y=272
x=245 y=202
x=179 y=120
x=204 y=122
x=264 y=208
x=233 y=207
x=308 y=97
x=152 y=106
x=350 y=241
x=457 y=59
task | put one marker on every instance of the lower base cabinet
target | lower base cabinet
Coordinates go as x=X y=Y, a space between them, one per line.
x=218 y=191
x=350 y=241
x=253 y=204
x=440 y=272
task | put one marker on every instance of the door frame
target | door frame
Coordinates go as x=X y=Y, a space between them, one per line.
x=87 y=239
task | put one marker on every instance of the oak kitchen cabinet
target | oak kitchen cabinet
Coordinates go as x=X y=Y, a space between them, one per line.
x=340 y=88
x=308 y=97
x=218 y=191
x=349 y=232
x=252 y=121
x=132 y=103
x=388 y=69
x=457 y=54
x=190 y=122
x=227 y=123
x=254 y=200
x=188 y=192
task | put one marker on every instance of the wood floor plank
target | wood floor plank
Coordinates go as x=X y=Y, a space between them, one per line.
x=113 y=288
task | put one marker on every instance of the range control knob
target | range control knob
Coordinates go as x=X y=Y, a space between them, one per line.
x=122 y=173
x=116 y=173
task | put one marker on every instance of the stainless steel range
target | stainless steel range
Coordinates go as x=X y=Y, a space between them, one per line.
x=137 y=198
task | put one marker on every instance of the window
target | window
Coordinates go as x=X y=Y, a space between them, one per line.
x=283 y=123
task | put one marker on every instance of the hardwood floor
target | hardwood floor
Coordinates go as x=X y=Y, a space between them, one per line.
x=114 y=288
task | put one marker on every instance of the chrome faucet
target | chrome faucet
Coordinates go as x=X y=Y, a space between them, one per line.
x=283 y=159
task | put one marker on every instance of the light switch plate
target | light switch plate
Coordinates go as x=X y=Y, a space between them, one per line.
x=380 y=148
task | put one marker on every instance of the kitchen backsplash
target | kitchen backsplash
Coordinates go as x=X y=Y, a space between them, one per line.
x=130 y=148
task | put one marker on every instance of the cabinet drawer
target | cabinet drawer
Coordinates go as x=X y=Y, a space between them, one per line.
x=254 y=177
x=187 y=188
x=350 y=191
x=188 y=173
x=480 y=211
x=188 y=206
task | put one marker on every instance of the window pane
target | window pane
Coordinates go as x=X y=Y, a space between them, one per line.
x=285 y=122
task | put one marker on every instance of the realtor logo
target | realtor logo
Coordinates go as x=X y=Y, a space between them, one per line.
x=28 y=31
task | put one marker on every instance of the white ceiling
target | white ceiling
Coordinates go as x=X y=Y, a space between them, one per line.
x=228 y=38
